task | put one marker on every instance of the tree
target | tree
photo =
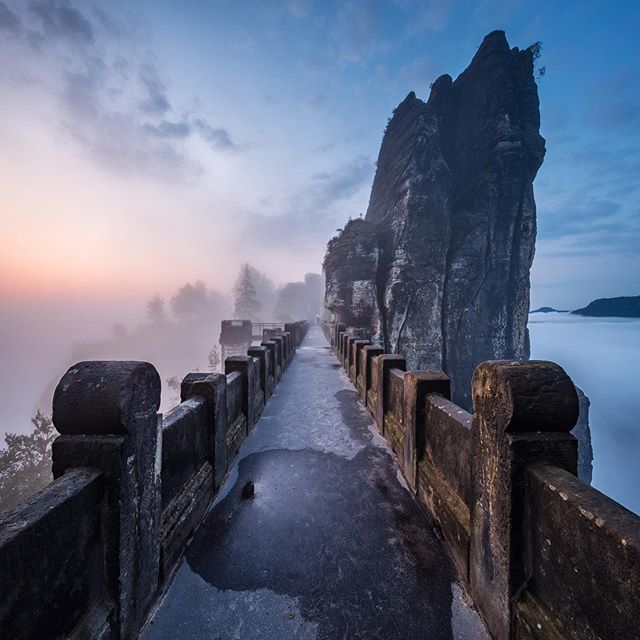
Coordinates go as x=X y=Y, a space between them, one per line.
x=173 y=384
x=214 y=359
x=25 y=462
x=247 y=305
x=291 y=303
x=155 y=310
x=191 y=303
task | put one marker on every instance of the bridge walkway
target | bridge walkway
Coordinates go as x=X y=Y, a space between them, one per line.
x=332 y=545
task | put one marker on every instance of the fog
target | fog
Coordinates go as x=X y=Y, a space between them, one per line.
x=602 y=356
x=149 y=145
x=39 y=339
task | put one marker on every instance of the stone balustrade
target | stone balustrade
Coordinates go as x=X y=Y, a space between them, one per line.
x=86 y=557
x=544 y=555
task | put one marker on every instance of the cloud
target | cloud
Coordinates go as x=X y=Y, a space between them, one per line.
x=217 y=137
x=155 y=101
x=581 y=225
x=420 y=72
x=593 y=210
x=311 y=214
x=355 y=34
x=300 y=8
x=622 y=115
x=59 y=20
x=115 y=103
x=432 y=15
x=168 y=129
x=9 y=21
x=329 y=187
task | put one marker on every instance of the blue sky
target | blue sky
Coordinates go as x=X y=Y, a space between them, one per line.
x=150 y=143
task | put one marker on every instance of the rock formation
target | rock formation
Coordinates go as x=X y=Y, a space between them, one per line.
x=453 y=214
x=623 y=307
x=351 y=268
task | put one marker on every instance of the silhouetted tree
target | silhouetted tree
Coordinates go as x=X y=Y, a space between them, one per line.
x=155 y=309
x=247 y=306
x=25 y=462
x=266 y=292
x=191 y=303
x=213 y=359
x=291 y=303
x=173 y=384
x=119 y=331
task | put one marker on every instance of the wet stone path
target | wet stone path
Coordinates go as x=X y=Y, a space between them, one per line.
x=332 y=545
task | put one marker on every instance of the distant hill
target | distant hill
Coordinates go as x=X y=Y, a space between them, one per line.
x=547 y=310
x=623 y=307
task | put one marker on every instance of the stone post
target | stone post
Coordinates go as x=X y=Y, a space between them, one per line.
x=213 y=388
x=294 y=329
x=290 y=347
x=417 y=385
x=523 y=412
x=242 y=365
x=348 y=346
x=366 y=354
x=385 y=363
x=354 y=360
x=106 y=413
x=273 y=360
x=342 y=336
x=282 y=351
x=337 y=330
x=262 y=353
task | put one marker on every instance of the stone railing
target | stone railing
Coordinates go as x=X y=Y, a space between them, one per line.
x=86 y=557
x=544 y=555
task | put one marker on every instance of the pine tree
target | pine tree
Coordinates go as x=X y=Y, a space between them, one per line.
x=155 y=309
x=25 y=462
x=247 y=305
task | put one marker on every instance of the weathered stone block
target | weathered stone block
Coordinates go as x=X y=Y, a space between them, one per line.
x=120 y=398
x=213 y=388
x=417 y=384
x=51 y=561
x=523 y=412
x=367 y=353
x=384 y=364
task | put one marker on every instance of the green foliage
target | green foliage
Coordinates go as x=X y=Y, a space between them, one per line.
x=536 y=50
x=25 y=462
x=536 y=53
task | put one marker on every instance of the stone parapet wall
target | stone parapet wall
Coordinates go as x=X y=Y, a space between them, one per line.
x=86 y=557
x=543 y=555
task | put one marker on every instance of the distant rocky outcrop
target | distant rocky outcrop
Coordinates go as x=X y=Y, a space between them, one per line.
x=547 y=310
x=623 y=307
x=440 y=265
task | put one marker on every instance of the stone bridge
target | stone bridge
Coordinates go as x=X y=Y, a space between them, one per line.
x=327 y=496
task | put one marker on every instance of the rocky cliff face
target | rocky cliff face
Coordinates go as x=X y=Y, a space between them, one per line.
x=351 y=267
x=454 y=215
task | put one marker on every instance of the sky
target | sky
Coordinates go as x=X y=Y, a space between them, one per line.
x=150 y=143
x=146 y=144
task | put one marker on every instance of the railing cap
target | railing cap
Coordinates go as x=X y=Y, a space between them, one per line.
x=100 y=397
x=535 y=395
